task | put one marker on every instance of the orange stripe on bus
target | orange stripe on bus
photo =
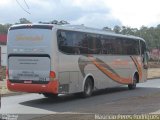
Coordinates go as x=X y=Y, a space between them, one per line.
x=138 y=66
x=113 y=76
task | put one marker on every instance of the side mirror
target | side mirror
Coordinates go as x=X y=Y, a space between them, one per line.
x=145 y=60
x=147 y=55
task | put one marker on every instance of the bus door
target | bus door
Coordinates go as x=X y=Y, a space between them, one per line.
x=144 y=59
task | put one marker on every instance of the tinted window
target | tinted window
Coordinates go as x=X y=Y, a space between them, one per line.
x=78 y=43
x=65 y=41
x=130 y=46
x=143 y=47
x=94 y=44
x=118 y=46
x=106 y=45
x=72 y=42
x=111 y=45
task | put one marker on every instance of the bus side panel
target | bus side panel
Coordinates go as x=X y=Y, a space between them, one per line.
x=68 y=73
x=75 y=68
x=54 y=54
x=99 y=65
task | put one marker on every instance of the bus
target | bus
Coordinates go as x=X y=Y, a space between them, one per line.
x=64 y=59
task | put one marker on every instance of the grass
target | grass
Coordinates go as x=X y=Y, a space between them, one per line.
x=3 y=87
x=3 y=72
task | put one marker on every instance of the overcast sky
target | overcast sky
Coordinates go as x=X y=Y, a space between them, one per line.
x=93 y=13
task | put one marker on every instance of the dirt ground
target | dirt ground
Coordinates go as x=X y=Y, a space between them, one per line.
x=154 y=64
x=154 y=70
x=153 y=73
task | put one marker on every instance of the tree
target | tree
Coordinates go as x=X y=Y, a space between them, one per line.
x=4 y=28
x=158 y=26
x=117 y=29
x=62 y=22
x=124 y=30
x=23 y=21
x=107 y=29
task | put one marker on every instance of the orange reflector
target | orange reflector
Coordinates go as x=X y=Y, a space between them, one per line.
x=52 y=74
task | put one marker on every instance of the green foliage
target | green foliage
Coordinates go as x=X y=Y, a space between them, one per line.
x=4 y=28
x=23 y=21
x=151 y=35
x=117 y=29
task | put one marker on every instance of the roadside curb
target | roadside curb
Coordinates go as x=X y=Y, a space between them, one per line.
x=10 y=93
x=13 y=94
x=153 y=78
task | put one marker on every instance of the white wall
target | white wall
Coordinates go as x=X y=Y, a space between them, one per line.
x=3 y=55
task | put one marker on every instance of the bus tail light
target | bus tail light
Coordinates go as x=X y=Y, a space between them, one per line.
x=52 y=75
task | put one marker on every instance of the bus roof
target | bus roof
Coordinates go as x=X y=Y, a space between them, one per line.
x=80 y=28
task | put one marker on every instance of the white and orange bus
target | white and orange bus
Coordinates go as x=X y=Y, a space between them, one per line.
x=63 y=59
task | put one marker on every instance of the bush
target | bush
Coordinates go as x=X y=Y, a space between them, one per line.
x=3 y=73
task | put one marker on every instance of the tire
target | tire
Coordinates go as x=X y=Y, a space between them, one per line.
x=50 y=95
x=88 y=88
x=133 y=85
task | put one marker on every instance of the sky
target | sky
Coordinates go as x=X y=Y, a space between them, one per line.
x=92 y=13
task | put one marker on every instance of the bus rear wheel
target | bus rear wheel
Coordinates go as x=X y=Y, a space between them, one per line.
x=133 y=85
x=88 y=88
x=50 y=95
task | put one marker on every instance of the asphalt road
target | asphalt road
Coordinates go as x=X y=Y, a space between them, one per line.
x=143 y=100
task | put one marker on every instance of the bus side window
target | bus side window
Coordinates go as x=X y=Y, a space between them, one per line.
x=143 y=47
x=107 y=45
x=65 y=41
x=83 y=43
x=78 y=42
x=143 y=50
x=130 y=47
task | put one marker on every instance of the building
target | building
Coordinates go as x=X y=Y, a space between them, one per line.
x=3 y=49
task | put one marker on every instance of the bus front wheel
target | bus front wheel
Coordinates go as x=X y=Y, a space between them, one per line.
x=133 y=85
